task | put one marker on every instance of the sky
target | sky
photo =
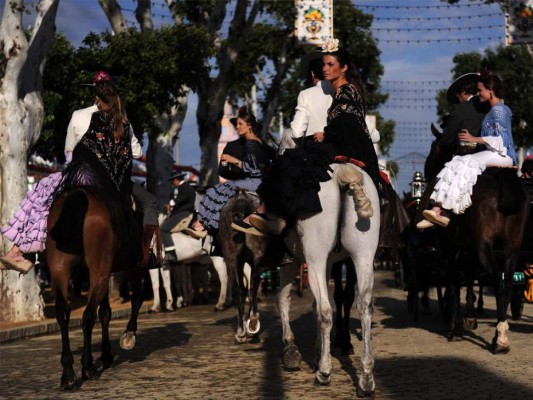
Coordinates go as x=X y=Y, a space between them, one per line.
x=417 y=40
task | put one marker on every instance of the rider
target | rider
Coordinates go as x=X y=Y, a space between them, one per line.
x=495 y=148
x=467 y=112
x=293 y=183
x=248 y=168
x=27 y=228
x=181 y=209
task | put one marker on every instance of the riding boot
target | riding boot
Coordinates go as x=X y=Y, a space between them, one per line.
x=148 y=234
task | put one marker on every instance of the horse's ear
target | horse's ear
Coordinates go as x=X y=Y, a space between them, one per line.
x=435 y=131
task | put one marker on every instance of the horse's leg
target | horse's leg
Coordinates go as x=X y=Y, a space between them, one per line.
x=69 y=380
x=99 y=286
x=338 y=295
x=239 y=294
x=127 y=340
x=319 y=286
x=470 y=322
x=220 y=268
x=292 y=358
x=365 y=284
x=165 y=275
x=480 y=310
x=253 y=324
x=175 y=270
x=104 y=315
x=154 y=277
x=349 y=298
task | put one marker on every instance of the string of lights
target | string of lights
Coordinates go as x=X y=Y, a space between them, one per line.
x=447 y=40
x=444 y=82
x=411 y=90
x=408 y=106
x=420 y=7
x=433 y=29
x=449 y=18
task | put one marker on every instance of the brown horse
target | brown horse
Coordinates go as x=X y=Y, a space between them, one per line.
x=239 y=248
x=495 y=221
x=85 y=226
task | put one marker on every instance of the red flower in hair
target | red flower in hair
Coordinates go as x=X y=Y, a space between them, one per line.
x=243 y=110
x=101 y=76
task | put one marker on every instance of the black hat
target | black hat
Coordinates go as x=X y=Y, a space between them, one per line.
x=177 y=175
x=457 y=84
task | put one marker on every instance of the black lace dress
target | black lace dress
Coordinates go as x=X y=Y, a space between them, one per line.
x=293 y=183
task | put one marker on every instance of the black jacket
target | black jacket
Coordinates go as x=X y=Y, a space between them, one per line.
x=468 y=115
x=185 y=199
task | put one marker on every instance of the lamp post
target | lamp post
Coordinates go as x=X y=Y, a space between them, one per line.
x=418 y=186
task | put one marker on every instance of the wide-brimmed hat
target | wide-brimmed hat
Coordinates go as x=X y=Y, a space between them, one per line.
x=457 y=84
x=177 y=175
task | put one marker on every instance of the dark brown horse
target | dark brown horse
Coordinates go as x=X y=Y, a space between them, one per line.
x=239 y=248
x=495 y=221
x=87 y=227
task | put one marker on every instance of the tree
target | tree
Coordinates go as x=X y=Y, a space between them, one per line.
x=514 y=65
x=22 y=60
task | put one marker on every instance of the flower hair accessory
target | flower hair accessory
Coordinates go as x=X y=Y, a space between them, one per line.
x=331 y=45
x=484 y=73
x=101 y=76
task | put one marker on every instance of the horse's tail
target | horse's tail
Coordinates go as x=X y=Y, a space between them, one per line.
x=68 y=230
x=349 y=175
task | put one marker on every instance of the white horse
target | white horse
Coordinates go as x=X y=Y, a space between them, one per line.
x=350 y=214
x=190 y=250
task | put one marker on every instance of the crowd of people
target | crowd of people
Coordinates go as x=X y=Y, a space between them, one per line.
x=329 y=126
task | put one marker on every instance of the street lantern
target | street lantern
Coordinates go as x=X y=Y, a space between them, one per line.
x=418 y=185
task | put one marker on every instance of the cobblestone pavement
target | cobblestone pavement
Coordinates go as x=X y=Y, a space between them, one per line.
x=190 y=354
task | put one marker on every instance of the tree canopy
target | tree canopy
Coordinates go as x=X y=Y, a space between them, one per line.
x=150 y=70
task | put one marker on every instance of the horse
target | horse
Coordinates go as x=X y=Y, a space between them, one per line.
x=350 y=214
x=489 y=222
x=82 y=229
x=238 y=249
x=190 y=250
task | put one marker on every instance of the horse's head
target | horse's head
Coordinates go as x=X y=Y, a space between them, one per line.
x=438 y=155
x=286 y=142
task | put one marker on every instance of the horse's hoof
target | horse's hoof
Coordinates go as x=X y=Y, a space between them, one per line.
x=252 y=326
x=156 y=310
x=365 y=385
x=480 y=311
x=363 y=393
x=500 y=349
x=240 y=339
x=292 y=359
x=322 y=379
x=70 y=383
x=127 y=340
x=470 y=324
x=254 y=339
x=90 y=373
x=220 y=308
x=107 y=361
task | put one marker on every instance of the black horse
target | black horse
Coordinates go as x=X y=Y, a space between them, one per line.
x=494 y=222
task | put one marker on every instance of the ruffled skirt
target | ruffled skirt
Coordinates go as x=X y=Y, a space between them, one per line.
x=27 y=228
x=458 y=177
x=216 y=198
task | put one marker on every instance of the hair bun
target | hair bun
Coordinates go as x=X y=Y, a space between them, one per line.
x=484 y=73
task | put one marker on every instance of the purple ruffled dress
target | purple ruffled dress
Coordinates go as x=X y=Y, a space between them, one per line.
x=27 y=228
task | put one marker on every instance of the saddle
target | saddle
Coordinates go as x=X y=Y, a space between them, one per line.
x=182 y=224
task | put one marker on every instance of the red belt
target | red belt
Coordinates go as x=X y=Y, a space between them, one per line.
x=344 y=159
